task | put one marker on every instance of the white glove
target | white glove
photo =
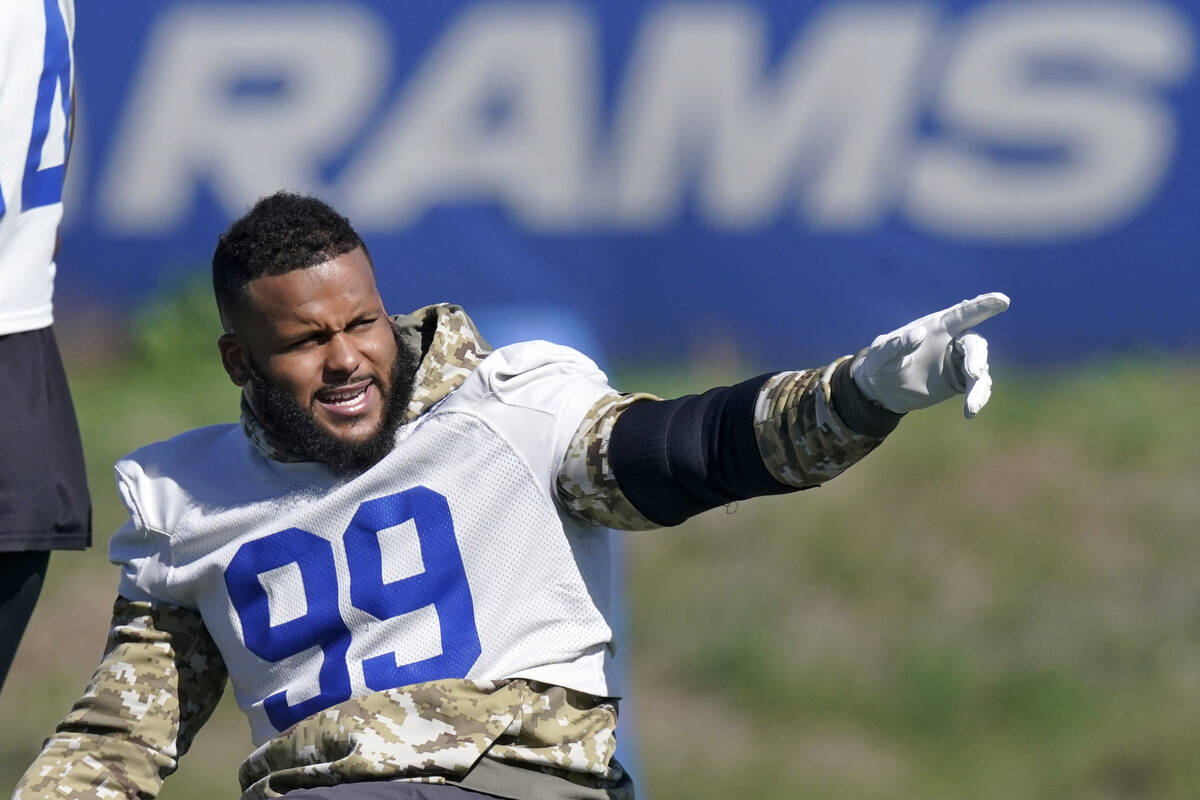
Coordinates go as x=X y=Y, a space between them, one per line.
x=931 y=359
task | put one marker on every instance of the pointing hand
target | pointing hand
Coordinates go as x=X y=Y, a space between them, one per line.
x=931 y=359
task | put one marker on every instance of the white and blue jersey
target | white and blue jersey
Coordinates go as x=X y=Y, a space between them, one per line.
x=450 y=558
x=35 y=106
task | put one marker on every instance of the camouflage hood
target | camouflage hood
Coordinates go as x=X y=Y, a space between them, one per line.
x=450 y=348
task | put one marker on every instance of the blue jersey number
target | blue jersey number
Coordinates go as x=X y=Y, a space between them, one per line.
x=442 y=585
x=43 y=187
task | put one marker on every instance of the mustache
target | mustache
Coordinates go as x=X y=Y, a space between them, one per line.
x=257 y=376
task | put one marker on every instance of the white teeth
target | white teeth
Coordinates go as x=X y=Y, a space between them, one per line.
x=345 y=399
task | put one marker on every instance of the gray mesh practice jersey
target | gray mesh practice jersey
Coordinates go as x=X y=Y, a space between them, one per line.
x=450 y=558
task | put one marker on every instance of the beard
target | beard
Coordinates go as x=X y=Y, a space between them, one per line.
x=282 y=413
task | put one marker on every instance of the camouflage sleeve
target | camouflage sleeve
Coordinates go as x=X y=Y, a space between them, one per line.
x=159 y=680
x=803 y=439
x=586 y=484
x=509 y=738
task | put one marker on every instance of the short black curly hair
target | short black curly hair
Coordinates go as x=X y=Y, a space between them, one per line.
x=281 y=233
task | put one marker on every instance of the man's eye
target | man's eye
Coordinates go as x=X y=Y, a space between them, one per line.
x=362 y=323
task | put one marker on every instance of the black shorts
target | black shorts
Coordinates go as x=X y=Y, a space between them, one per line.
x=44 y=501
x=387 y=790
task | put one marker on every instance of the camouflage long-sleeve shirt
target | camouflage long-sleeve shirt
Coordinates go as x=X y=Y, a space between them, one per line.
x=162 y=675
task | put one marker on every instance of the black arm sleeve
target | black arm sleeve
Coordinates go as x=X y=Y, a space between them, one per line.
x=676 y=458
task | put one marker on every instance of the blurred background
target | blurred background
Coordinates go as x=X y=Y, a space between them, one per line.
x=700 y=192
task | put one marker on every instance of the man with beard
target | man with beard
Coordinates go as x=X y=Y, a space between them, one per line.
x=401 y=556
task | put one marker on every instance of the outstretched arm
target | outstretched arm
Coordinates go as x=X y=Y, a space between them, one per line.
x=637 y=462
x=159 y=680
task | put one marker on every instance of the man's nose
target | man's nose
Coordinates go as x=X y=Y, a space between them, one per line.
x=341 y=356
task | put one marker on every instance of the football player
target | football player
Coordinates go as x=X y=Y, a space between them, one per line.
x=44 y=501
x=401 y=557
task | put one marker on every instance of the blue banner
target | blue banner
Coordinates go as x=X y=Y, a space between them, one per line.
x=780 y=180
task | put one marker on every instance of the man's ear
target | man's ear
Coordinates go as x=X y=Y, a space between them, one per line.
x=235 y=358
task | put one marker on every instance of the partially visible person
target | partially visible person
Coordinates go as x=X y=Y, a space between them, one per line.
x=44 y=502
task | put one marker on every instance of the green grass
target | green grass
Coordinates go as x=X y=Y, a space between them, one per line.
x=1001 y=608
x=1006 y=608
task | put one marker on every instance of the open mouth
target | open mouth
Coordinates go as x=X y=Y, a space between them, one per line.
x=350 y=400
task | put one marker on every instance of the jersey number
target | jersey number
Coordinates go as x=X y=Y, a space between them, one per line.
x=442 y=585
x=43 y=187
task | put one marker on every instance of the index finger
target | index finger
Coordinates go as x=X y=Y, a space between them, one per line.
x=970 y=313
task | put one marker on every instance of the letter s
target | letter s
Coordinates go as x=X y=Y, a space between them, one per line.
x=1053 y=121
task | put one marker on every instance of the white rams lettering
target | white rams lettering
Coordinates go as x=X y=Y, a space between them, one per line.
x=1010 y=121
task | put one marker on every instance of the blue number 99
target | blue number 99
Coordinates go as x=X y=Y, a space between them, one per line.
x=442 y=584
